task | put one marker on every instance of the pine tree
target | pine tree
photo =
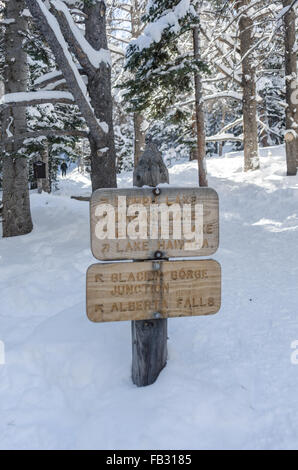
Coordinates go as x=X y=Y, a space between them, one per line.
x=162 y=70
x=165 y=64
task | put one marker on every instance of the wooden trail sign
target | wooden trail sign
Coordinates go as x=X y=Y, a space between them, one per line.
x=152 y=223
x=147 y=223
x=153 y=290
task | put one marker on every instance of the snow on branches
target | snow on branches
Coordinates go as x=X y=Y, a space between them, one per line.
x=169 y=20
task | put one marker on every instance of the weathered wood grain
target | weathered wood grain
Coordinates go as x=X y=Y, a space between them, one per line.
x=145 y=248
x=149 y=339
x=149 y=349
x=153 y=290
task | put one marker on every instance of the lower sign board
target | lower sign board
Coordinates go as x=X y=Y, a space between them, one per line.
x=147 y=223
x=152 y=290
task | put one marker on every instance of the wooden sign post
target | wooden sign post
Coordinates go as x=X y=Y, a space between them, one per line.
x=149 y=338
x=149 y=226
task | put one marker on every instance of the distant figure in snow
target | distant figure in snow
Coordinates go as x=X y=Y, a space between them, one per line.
x=64 y=168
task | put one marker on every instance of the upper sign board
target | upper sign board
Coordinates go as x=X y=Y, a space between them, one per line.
x=147 y=223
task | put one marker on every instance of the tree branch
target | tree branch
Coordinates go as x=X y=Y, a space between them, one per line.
x=33 y=98
x=220 y=65
x=124 y=41
x=116 y=50
x=44 y=133
x=224 y=138
x=50 y=29
x=224 y=95
x=48 y=78
x=238 y=122
x=71 y=34
x=52 y=77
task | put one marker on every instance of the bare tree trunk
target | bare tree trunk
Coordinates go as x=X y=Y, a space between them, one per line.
x=194 y=150
x=250 y=125
x=46 y=185
x=140 y=137
x=103 y=154
x=264 y=137
x=291 y=136
x=223 y=121
x=16 y=203
x=200 y=118
x=140 y=132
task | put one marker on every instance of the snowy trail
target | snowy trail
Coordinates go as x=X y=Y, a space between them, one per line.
x=229 y=382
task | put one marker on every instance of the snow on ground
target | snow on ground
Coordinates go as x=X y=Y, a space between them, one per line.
x=229 y=382
x=76 y=184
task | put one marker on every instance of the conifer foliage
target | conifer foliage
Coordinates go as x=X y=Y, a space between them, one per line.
x=162 y=69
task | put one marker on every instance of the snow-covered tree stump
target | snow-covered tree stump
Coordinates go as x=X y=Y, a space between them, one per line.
x=151 y=170
x=149 y=337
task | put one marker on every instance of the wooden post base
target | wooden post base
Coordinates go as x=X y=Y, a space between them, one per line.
x=149 y=350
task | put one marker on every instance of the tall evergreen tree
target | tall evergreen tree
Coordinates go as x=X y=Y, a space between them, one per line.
x=163 y=70
x=16 y=204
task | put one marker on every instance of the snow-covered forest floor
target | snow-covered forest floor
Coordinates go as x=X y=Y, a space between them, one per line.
x=229 y=382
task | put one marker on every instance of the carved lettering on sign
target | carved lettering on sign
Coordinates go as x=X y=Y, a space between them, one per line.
x=140 y=290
